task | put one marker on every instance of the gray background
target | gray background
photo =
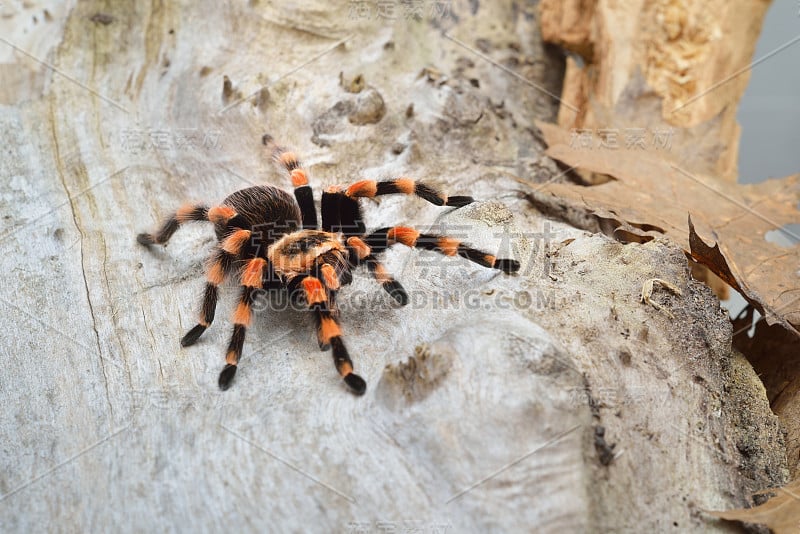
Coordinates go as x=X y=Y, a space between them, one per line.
x=769 y=111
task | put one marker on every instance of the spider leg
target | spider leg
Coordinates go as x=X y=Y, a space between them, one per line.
x=192 y=212
x=404 y=186
x=329 y=334
x=299 y=177
x=387 y=281
x=341 y=213
x=251 y=281
x=218 y=265
x=382 y=239
x=189 y=212
x=360 y=253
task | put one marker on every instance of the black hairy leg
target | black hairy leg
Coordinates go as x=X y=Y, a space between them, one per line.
x=252 y=277
x=219 y=264
x=382 y=239
x=302 y=191
x=187 y=213
x=361 y=253
x=329 y=333
x=404 y=186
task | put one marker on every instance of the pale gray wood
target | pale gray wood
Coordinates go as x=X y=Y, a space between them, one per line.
x=480 y=415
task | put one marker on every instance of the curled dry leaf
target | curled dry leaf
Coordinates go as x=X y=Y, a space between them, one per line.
x=650 y=196
x=713 y=258
x=781 y=513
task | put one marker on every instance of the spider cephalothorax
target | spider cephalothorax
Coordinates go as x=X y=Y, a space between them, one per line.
x=302 y=251
x=269 y=240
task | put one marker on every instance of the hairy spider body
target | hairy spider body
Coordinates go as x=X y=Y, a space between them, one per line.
x=262 y=206
x=269 y=240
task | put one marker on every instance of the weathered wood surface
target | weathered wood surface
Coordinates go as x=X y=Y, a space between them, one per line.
x=482 y=414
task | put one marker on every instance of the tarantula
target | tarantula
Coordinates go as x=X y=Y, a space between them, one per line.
x=267 y=240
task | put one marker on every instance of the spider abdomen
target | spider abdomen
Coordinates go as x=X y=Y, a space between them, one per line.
x=265 y=210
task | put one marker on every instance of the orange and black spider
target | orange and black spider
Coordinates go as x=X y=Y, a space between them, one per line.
x=269 y=241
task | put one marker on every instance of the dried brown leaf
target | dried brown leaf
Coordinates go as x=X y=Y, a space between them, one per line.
x=781 y=513
x=712 y=258
x=651 y=193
